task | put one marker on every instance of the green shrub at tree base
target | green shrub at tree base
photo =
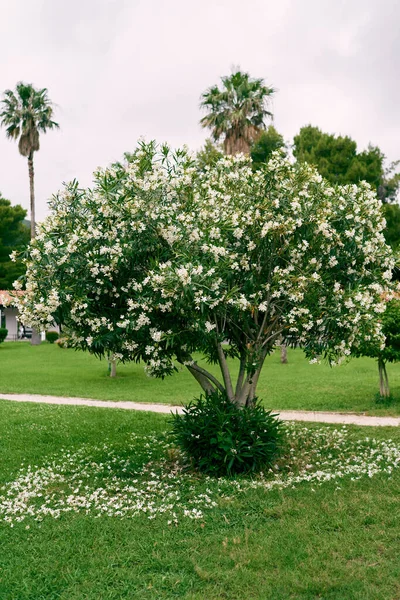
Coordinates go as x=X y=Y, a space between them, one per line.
x=52 y=336
x=223 y=439
x=3 y=334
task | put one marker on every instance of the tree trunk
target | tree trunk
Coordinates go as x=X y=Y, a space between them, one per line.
x=36 y=337
x=247 y=394
x=202 y=380
x=32 y=193
x=252 y=393
x=245 y=389
x=207 y=381
x=235 y=145
x=242 y=373
x=223 y=365
x=113 y=367
x=284 y=354
x=383 y=379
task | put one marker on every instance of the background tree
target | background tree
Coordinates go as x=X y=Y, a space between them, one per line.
x=26 y=113
x=267 y=142
x=337 y=159
x=390 y=352
x=208 y=155
x=161 y=260
x=237 y=111
x=392 y=229
x=14 y=236
x=390 y=184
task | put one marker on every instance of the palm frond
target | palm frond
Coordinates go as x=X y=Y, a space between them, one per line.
x=25 y=113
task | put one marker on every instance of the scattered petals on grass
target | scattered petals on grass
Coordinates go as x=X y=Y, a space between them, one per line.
x=148 y=477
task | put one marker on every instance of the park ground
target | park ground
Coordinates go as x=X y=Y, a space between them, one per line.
x=95 y=505
x=337 y=539
x=50 y=370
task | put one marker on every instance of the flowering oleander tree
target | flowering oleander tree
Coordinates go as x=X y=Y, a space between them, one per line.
x=159 y=260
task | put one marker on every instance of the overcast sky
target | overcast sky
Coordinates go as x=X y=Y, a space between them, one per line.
x=121 y=69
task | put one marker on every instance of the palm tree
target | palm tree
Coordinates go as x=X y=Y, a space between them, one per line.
x=26 y=113
x=237 y=112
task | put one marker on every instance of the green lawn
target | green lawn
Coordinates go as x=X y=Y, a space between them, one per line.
x=339 y=540
x=47 y=369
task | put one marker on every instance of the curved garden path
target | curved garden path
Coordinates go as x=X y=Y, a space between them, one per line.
x=286 y=415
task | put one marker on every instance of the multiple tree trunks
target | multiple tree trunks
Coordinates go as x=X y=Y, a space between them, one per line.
x=244 y=392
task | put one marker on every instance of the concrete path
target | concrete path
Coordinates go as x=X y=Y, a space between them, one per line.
x=286 y=415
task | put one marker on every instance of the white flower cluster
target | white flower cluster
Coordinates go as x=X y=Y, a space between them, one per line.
x=102 y=481
x=98 y=482
x=230 y=254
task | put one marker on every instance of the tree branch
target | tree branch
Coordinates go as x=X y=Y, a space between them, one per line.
x=247 y=393
x=272 y=336
x=242 y=371
x=224 y=366
x=225 y=372
x=195 y=367
x=199 y=373
x=204 y=382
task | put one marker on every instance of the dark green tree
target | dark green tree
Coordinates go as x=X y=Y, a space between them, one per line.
x=267 y=142
x=14 y=235
x=336 y=157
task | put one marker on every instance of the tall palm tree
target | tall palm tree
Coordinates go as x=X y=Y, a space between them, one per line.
x=26 y=113
x=237 y=112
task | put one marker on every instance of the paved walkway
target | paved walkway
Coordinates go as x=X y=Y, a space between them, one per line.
x=286 y=415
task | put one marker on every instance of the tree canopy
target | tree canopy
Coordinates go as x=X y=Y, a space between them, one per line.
x=161 y=259
x=267 y=142
x=27 y=112
x=336 y=157
x=14 y=236
x=236 y=112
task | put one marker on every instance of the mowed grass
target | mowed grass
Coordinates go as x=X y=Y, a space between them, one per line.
x=337 y=541
x=47 y=369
